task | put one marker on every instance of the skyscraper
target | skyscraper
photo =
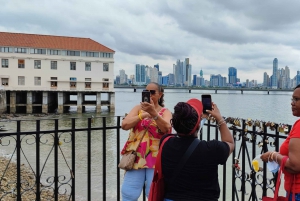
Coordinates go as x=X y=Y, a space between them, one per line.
x=232 y=75
x=266 y=80
x=274 y=75
x=123 y=78
x=140 y=74
x=157 y=67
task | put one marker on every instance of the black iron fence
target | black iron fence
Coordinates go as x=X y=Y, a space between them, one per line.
x=76 y=159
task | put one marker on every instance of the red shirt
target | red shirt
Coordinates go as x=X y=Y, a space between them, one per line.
x=284 y=150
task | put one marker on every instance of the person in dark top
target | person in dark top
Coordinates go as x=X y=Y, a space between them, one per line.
x=198 y=179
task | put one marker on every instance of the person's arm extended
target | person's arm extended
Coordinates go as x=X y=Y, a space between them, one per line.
x=163 y=122
x=226 y=136
x=132 y=118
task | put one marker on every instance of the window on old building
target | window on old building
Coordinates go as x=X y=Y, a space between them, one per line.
x=21 y=63
x=53 y=65
x=4 y=63
x=105 y=67
x=37 y=81
x=72 y=65
x=37 y=64
x=21 y=80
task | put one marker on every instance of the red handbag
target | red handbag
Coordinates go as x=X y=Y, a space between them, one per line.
x=276 y=197
x=157 y=189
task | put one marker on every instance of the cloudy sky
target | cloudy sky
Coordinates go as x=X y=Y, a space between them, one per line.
x=214 y=34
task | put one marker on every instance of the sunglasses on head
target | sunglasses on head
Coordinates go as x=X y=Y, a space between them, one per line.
x=151 y=91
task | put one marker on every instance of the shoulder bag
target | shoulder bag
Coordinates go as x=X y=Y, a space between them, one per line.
x=128 y=159
x=157 y=189
x=276 y=197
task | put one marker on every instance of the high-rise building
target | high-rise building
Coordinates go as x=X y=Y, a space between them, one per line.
x=140 y=74
x=132 y=79
x=187 y=72
x=287 y=77
x=171 y=79
x=194 y=80
x=274 y=75
x=232 y=75
x=159 y=77
x=217 y=81
x=117 y=79
x=152 y=74
x=123 y=77
x=178 y=73
x=266 y=80
x=201 y=73
x=165 y=80
x=157 y=67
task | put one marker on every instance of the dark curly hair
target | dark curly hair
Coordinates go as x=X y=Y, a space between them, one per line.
x=160 y=89
x=184 y=118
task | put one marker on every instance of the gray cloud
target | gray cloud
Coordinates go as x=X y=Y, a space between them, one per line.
x=213 y=34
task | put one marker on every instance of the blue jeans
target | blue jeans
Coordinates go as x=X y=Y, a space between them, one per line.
x=134 y=181
x=297 y=197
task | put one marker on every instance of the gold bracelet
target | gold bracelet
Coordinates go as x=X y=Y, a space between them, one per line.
x=140 y=116
x=273 y=155
x=269 y=156
x=221 y=123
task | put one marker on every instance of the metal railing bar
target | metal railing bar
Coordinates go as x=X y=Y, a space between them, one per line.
x=233 y=169
x=37 y=175
x=243 y=161
x=253 y=192
x=56 y=144
x=58 y=130
x=104 y=158
x=18 y=144
x=89 y=168
x=118 y=158
x=73 y=159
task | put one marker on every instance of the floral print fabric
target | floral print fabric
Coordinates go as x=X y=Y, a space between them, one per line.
x=148 y=149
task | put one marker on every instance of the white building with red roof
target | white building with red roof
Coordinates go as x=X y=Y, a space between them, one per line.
x=43 y=63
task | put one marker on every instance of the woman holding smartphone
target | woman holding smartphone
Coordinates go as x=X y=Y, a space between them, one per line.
x=153 y=121
x=198 y=178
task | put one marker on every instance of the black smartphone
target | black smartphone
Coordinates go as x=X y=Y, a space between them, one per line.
x=206 y=102
x=146 y=96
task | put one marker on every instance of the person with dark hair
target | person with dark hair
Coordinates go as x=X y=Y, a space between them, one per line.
x=152 y=121
x=290 y=147
x=198 y=178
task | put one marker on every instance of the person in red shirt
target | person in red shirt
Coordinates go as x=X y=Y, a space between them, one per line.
x=291 y=148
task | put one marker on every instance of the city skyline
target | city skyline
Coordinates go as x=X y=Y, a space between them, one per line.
x=213 y=34
x=280 y=77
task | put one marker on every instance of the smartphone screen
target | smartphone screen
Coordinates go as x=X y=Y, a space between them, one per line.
x=146 y=96
x=206 y=102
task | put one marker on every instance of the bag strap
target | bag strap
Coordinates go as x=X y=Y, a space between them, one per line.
x=184 y=159
x=283 y=161
x=292 y=186
x=141 y=139
x=158 y=168
x=142 y=136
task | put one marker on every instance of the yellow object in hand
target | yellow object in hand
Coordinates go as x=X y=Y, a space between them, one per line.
x=255 y=165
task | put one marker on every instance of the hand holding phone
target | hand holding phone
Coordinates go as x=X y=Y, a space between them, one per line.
x=146 y=96
x=206 y=102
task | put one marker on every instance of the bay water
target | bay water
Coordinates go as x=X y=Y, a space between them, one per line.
x=275 y=107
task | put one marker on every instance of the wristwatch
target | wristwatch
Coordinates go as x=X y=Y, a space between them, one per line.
x=156 y=117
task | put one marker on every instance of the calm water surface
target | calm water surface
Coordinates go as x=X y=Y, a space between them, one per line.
x=275 y=107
